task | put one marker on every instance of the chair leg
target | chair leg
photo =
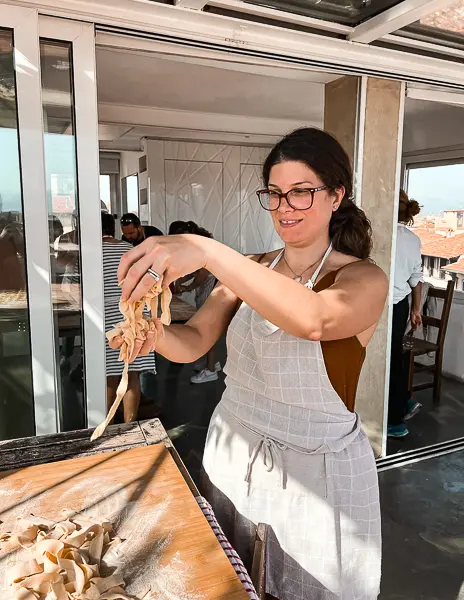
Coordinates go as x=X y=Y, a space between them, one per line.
x=411 y=372
x=437 y=379
x=258 y=569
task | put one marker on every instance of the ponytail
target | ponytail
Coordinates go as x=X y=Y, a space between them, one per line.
x=350 y=230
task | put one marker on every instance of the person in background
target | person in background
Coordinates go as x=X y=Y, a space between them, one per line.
x=202 y=284
x=134 y=232
x=113 y=250
x=67 y=259
x=67 y=248
x=407 y=282
x=12 y=270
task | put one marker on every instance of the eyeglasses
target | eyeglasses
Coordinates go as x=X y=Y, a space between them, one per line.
x=298 y=198
x=129 y=221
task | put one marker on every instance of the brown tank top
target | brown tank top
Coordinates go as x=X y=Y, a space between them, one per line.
x=343 y=358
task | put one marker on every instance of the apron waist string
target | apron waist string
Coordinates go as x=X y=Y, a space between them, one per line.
x=272 y=452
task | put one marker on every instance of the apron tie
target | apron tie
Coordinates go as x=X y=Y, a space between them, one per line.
x=272 y=453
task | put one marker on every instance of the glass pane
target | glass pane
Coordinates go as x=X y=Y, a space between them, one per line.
x=348 y=12
x=445 y=26
x=132 y=193
x=440 y=224
x=16 y=394
x=105 y=192
x=63 y=210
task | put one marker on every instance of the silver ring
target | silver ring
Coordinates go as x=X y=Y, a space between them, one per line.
x=154 y=274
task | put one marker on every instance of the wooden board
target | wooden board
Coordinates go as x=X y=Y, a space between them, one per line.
x=169 y=542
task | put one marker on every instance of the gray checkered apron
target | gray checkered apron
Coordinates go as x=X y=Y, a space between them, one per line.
x=283 y=449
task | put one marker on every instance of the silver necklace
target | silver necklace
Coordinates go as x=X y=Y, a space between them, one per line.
x=296 y=277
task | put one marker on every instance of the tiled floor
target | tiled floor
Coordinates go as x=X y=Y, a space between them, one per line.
x=423 y=530
x=434 y=424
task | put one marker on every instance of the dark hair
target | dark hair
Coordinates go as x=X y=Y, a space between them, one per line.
x=349 y=229
x=108 y=227
x=130 y=219
x=177 y=227
x=407 y=209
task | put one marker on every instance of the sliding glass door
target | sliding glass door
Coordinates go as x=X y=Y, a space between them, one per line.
x=51 y=299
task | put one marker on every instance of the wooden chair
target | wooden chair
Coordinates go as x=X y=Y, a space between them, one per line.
x=258 y=567
x=421 y=347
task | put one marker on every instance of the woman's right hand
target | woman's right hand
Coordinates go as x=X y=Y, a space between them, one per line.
x=416 y=319
x=141 y=348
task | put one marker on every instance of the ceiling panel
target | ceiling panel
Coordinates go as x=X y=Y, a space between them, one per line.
x=347 y=12
x=444 y=27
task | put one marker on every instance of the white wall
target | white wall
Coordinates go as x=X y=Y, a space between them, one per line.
x=430 y=125
x=129 y=163
x=213 y=185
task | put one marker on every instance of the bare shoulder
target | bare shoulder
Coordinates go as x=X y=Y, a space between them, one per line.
x=363 y=271
x=264 y=259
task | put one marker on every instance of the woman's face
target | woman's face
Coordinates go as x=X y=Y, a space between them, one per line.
x=301 y=227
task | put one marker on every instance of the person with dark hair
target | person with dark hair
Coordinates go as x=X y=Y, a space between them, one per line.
x=202 y=283
x=134 y=232
x=113 y=250
x=284 y=446
x=406 y=307
x=178 y=227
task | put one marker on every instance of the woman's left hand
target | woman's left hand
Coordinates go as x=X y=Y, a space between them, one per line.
x=170 y=256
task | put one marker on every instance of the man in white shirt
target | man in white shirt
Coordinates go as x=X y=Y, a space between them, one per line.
x=408 y=280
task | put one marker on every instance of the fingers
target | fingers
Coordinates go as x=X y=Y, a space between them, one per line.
x=159 y=329
x=140 y=287
x=133 y=268
x=129 y=258
x=115 y=343
x=138 y=282
x=148 y=343
x=136 y=349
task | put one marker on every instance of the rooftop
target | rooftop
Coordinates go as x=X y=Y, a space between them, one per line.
x=445 y=247
x=457 y=267
x=427 y=235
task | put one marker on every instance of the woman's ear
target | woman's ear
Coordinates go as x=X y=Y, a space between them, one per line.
x=338 y=196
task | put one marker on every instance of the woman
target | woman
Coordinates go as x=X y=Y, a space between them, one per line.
x=283 y=446
x=202 y=283
x=408 y=285
x=113 y=250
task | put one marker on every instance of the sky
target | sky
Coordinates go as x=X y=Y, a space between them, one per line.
x=437 y=188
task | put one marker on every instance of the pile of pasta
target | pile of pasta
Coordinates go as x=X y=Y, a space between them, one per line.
x=133 y=328
x=63 y=561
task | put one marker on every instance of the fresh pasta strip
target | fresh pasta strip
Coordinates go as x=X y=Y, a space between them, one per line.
x=67 y=568
x=133 y=330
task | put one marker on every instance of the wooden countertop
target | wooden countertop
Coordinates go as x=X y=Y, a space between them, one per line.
x=169 y=542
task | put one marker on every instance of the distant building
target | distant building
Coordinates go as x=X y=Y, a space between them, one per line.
x=442 y=257
x=456 y=272
x=454 y=219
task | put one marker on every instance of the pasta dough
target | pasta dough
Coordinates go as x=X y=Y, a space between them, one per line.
x=64 y=561
x=134 y=328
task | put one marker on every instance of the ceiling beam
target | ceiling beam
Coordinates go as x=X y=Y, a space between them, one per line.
x=394 y=18
x=280 y=15
x=142 y=116
x=453 y=98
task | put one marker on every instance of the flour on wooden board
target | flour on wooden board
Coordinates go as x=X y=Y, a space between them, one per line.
x=140 y=563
